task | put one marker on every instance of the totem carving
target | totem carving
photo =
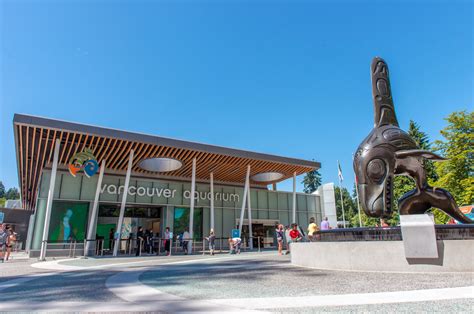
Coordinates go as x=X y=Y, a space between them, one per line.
x=388 y=151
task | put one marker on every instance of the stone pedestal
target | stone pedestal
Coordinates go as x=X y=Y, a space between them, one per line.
x=419 y=237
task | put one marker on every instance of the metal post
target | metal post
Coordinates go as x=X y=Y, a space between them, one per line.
x=294 y=197
x=191 y=208
x=93 y=220
x=342 y=205
x=212 y=200
x=357 y=195
x=242 y=211
x=258 y=239
x=122 y=206
x=249 y=208
x=49 y=203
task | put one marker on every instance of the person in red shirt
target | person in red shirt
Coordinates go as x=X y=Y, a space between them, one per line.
x=295 y=234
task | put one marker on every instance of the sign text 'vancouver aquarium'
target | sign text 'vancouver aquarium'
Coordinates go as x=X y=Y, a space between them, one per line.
x=168 y=193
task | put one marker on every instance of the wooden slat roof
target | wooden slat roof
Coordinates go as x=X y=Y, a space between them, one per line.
x=35 y=137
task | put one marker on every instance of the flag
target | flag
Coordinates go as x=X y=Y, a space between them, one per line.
x=339 y=172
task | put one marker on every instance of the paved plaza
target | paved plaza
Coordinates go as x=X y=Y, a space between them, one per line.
x=250 y=282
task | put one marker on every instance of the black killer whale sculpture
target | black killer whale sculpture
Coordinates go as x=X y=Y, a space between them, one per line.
x=388 y=151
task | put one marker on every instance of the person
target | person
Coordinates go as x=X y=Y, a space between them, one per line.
x=383 y=223
x=167 y=241
x=234 y=245
x=3 y=241
x=10 y=243
x=280 y=233
x=312 y=229
x=67 y=233
x=140 y=239
x=111 y=238
x=211 y=239
x=325 y=224
x=186 y=238
x=287 y=239
x=295 y=234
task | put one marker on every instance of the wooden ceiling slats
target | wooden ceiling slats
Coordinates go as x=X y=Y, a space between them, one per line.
x=35 y=141
x=99 y=147
x=66 y=159
x=65 y=144
x=104 y=149
x=37 y=163
x=20 y=162
x=109 y=151
x=139 y=153
x=122 y=162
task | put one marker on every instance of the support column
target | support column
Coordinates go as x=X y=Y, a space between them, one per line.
x=191 y=207
x=242 y=211
x=118 y=230
x=49 y=203
x=212 y=201
x=249 y=208
x=93 y=219
x=294 y=198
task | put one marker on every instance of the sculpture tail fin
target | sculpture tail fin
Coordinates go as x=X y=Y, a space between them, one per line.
x=384 y=110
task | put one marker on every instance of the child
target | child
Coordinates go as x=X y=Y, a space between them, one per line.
x=280 y=233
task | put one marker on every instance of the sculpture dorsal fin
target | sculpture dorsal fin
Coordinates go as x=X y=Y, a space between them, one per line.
x=384 y=110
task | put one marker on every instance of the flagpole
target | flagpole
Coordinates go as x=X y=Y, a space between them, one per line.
x=357 y=195
x=340 y=192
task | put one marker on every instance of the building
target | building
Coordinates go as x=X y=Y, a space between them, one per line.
x=90 y=167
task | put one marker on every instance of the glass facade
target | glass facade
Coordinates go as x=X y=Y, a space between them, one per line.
x=156 y=204
x=181 y=221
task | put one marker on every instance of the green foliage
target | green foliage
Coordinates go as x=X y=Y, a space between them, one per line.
x=457 y=173
x=2 y=190
x=350 y=206
x=12 y=194
x=311 y=181
x=2 y=201
x=422 y=140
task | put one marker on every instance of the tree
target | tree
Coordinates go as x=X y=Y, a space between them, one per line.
x=2 y=190
x=350 y=205
x=403 y=184
x=12 y=194
x=456 y=174
x=311 y=181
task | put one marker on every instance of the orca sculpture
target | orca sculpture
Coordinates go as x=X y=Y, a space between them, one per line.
x=388 y=151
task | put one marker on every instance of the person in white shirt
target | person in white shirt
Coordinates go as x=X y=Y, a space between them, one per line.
x=186 y=239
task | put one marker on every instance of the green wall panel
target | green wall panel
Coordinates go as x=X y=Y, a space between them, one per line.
x=262 y=197
x=88 y=188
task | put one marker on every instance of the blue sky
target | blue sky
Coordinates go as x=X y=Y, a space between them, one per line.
x=288 y=78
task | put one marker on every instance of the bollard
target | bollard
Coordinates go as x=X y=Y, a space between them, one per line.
x=258 y=239
x=159 y=247
x=84 y=247
x=203 y=246
x=74 y=251
x=140 y=248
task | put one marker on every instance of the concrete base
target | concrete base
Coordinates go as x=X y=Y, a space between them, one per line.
x=384 y=256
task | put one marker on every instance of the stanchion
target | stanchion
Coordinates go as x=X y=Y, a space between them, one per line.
x=74 y=251
x=159 y=247
x=84 y=248
x=140 y=248
x=203 y=246
x=258 y=239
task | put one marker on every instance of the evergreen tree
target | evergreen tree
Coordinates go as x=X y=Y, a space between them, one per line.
x=2 y=190
x=12 y=194
x=311 y=181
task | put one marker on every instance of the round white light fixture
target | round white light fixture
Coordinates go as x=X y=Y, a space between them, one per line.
x=267 y=176
x=160 y=164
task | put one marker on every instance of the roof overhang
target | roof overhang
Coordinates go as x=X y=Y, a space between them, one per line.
x=35 y=138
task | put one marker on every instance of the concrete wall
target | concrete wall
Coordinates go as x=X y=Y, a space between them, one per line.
x=455 y=256
x=328 y=203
